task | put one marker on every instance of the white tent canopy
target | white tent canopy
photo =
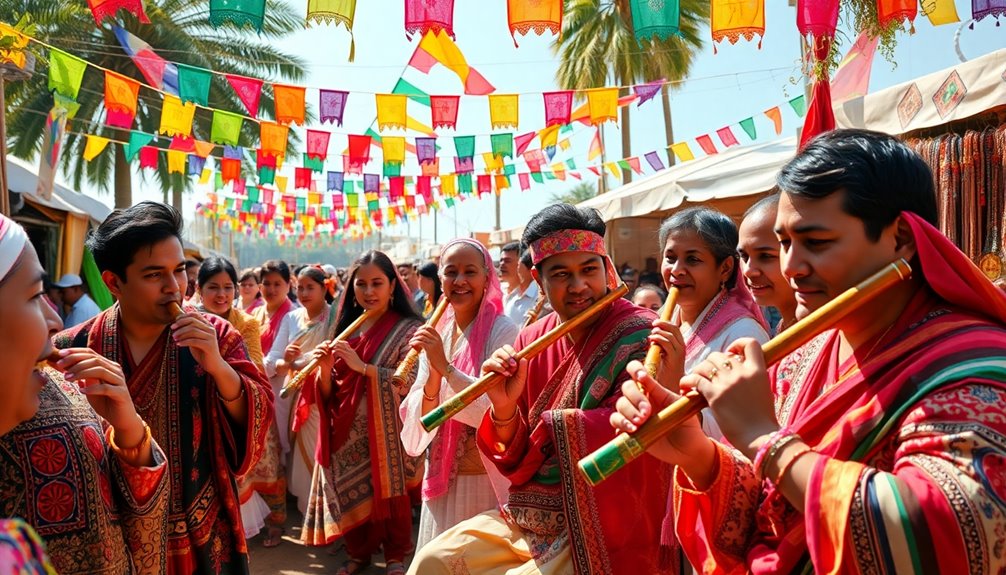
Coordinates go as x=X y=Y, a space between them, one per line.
x=23 y=178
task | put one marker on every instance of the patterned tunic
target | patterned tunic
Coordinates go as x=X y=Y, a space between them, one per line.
x=96 y=513
x=206 y=450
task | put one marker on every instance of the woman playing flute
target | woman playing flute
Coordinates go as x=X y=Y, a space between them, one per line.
x=360 y=489
x=884 y=449
x=553 y=409
x=455 y=485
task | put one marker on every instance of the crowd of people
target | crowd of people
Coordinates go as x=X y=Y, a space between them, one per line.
x=152 y=438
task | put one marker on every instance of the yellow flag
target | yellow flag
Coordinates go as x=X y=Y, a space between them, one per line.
x=176 y=162
x=391 y=110
x=942 y=12
x=204 y=177
x=602 y=104
x=176 y=117
x=612 y=168
x=682 y=151
x=503 y=110
x=281 y=184
x=95 y=145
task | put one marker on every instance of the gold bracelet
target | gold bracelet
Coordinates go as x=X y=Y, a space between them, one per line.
x=506 y=423
x=130 y=454
x=225 y=400
x=428 y=398
x=789 y=464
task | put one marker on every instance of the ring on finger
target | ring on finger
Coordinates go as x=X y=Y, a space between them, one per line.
x=713 y=372
x=727 y=365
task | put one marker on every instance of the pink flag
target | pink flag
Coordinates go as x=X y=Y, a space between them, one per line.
x=523 y=141
x=249 y=91
x=852 y=79
x=706 y=143
x=558 y=106
x=525 y=182
x=727 y=136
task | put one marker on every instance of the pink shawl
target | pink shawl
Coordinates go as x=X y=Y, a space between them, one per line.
x=442 y=464
x=728 y=306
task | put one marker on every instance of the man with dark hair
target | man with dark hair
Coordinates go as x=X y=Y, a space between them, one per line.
x=190 y=377
x=520 y=300
x=407 y=271
x=877 y=447
x=550 y=411
x=191 y=274
x=509 y=256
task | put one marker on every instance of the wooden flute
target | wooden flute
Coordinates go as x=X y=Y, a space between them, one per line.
x=652 y=362
x=297 y=381
x=409 y=363
x=624 y=448
x=436 y=417
x=532 y=317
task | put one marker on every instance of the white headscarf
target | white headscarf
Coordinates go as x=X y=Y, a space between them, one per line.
x=12 y=241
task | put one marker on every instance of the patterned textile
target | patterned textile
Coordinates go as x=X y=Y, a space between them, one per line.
x=571 y=392
x=346 y=492
x=206 y=451
x=573 y=241
x=21 y=551
x=96 y=513
x=249 y=328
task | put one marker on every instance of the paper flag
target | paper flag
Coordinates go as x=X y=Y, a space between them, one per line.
x=194 y=84
x=248 y=90
x=523 y=141
x=775 y=114
x=682 y=151
x=727 y=136
x=444 y=111
x=661 y=19
x=176 y=162
x=335 y=182
x=799 y=105
x=148 y=157
x=538 y=15
x=226 y=128
x=706 y=143
x=612 y=168
x=332 y=105
x=439 y=48
x=595 y=146
x=391 y=111
x=502 y=145
x=317 y=144
x=602 y=105
x=426 y=149
x=120 y=100
x=136 y=141
x=176 y=117
x=525 y=182
x=646 y=92
x=289 y=103
x=634 y=164
x=503 y=111
x=654 y=160
x=241 y=13
x=95 y=145
x=558 y=106
x=230 y=169
x=484 y=184
x=65 y=73
x=195 y=166
x=203 y=149
x=394 y=149
x=734 y=19
x=749 y=128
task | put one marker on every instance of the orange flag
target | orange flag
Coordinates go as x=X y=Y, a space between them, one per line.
x=775 y=114
x=289 y=102
x=602 y=104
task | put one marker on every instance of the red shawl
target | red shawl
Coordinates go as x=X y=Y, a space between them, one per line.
x=270 y=329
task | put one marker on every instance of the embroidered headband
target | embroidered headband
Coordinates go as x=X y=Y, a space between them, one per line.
x=566 y=241
x=12 y=241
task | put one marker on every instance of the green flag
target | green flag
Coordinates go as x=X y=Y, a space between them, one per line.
x=136 y=141
x=415 y=94
x=194 y=84
x=502 y=145
x=65 y=73
x=749 y=128
x=226 y=128
x=799 y=105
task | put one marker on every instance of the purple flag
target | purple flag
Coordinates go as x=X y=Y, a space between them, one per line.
x=332 y=104
x=983 y=8
x=371 y=182
x=464 y=165
x=426 y=150
x=654 y=161
x=335 y=181
x=646 y=92
x=196 y=165
x=233 y=152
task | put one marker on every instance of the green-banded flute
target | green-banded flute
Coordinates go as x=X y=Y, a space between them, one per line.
x=624 y=448
x=436 y=417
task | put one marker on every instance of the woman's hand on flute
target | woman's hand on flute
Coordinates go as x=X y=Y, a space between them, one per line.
x=672 y=361
x=737 y=387
x=427 y=339
x=346 y=353
x=505 y=395
x=642 y=396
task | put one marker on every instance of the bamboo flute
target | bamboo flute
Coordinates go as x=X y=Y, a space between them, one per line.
x=409 y=363
x=653 y=354
x=297 y=380
x=624 y=448
x=532 y=316
x=436 y=417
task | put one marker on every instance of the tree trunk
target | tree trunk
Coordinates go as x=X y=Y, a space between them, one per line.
x=626 y=144
x=123 y=180
x=665 y=99
x=176 y=192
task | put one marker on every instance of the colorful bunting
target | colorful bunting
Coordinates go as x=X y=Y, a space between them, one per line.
x=120 y=100
x=158 y=72
x=426 y=149
x=602 y=105
x=240 y=13
x=732 y=19
x=391 y=111
x=359 y=152
x=226 y=128
x=194 y=84
x=176 y=117
x=102 y=9
x=654 y=160
x=706 y=143
x=502 y=145
x=523 y=141
x=799 y=105
x=335 y=12
x=394 y=150
x=646 y=92
x=332 y=105
x=317 y=144
x=775 y=114
x=682 y=151
x=557 y=107
x=289 y=101
x=727 y=136
x=438 y=48
x=503 y=111
x=136 y=141
x=94 y=146
x=661 y=19
x=749 y=128
x=148 y=157
x=596 y=148
x=444 y=111
x=817 y=18
x=230 y=169
x=982 y=8
x=176 y=162
x=422 y=16
x=942 y=12
x=248 y=90
x=65 y=73
x=538 y=15
x=896 y=11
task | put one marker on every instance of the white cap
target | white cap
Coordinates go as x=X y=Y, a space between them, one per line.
x=68 y=280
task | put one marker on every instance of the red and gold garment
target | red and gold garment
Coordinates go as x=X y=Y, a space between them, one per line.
x=914 y=438
x=96 y=513
x=571 y=392
x=206 y=451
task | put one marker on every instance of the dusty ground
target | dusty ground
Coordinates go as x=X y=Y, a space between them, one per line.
x=291 y=557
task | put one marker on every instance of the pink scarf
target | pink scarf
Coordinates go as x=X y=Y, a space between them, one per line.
x=728 y=306
x=443 y=465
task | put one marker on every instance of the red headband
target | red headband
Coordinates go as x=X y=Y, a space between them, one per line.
x=564 y=241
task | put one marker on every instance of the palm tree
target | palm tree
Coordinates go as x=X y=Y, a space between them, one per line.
x=598 y=45
x=179 y=31
x=578 y=193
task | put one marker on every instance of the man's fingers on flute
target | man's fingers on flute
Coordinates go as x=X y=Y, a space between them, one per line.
x=633 y=404
x=620 y=422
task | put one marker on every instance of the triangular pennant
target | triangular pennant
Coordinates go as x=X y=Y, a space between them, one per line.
x=248 y=90
x=65 y=73
x=749 y=128
x=95 y=145
x=799 y=105
x=137 y=140
x=775 y=114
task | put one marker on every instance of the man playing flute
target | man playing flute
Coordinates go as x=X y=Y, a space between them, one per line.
x=207 y=405
x=552 y=410
x=884 y=451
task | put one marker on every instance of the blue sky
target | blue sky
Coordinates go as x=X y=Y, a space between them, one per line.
x=738 y=82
